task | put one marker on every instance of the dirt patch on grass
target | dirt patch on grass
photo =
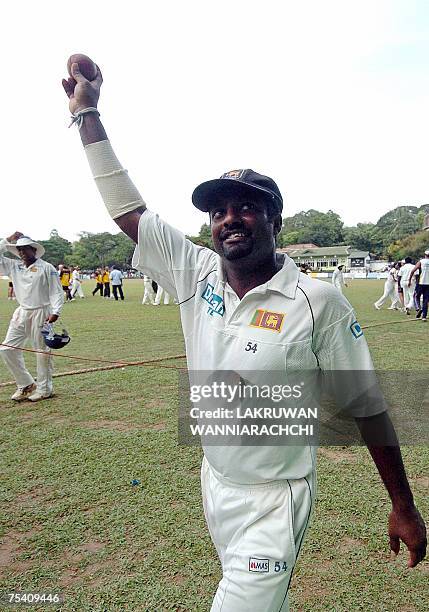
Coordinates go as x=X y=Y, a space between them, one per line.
x=178 y=579
x=338 y=455
x=32 y=497
x=348 y=544
x=308 y=590
x=156 y=426
x=90 y=573
x=421 y=481
x=75 y=574
x=92 y=547
x=11 y=547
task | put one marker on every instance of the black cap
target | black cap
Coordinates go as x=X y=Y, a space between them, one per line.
x=234 y=181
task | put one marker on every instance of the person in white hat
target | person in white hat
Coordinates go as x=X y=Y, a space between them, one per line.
x=40 y=297
x=423 y=266
x=338 y=278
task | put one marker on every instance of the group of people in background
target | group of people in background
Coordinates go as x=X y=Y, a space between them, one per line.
x=105 y=278
x=71 y=282
x=407 y=286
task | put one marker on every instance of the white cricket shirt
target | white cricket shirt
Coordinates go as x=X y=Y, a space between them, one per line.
x=424 y=271
x=296 y=322
x=405 y=273
x=35 y=286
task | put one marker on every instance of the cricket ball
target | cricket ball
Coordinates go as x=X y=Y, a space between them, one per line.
x=86 y=66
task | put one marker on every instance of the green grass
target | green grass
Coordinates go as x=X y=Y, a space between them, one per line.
x=71 y=521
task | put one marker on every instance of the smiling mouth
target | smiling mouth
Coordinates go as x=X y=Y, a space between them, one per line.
x=236 y=237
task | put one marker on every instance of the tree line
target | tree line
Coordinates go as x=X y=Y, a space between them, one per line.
x=396 y=234
x=91 y=251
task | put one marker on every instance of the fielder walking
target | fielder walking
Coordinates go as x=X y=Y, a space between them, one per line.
x=338 y=279
x=408 y=283
x=40 y=297
x=257 y=500
x=389 y=291
x=76 y=287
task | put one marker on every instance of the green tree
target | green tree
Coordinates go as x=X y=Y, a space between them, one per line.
x=204 y=238
x=323 y=229
x=365 y=237
x=57 y=249
x=97 y=250
x=413 y=246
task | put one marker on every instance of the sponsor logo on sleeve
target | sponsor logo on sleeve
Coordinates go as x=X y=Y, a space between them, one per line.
x=266 y=319
x=216 y=305
x=259 y=565
x=356 y=329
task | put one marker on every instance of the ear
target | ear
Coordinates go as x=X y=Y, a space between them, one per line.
x=277 y=223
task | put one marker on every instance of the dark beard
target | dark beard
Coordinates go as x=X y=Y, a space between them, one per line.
x=237 y=251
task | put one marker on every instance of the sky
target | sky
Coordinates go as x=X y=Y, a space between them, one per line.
x=329 y=98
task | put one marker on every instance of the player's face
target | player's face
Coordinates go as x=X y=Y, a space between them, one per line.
x=27 y=254
x=241 y=228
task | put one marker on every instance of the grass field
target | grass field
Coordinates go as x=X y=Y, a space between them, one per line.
x=71 y=521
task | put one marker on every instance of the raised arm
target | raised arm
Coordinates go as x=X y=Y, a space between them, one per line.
x=123 y=201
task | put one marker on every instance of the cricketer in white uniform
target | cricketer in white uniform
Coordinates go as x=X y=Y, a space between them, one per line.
x=257 y=500
x=40 y=297
x=76 y=283
x=338 y=279
x=389 y=291
x=149 y=293
x=405 y=276
x=161 y=293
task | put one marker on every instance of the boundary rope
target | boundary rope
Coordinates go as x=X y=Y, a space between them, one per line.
x=123 y=364
x=113 y=365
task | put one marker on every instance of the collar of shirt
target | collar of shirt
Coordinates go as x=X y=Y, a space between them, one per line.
x=285 y=281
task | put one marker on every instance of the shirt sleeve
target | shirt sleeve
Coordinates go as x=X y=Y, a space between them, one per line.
x=347 y=367
x=164 y=254
x=56 y=293
x=6 y=264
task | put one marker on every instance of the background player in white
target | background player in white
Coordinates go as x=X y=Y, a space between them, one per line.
x=338 y=278
x=423 y=266
x=40 y=297
x=389 y=291
x=160 y=294
x=253 y=507
x=76 y=287
x=408 y=283
x=149 y=293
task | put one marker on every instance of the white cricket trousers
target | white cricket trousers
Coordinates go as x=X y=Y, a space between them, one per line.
x=389 y=291
x=149 y=293
x=409 y=296
x=26 y=325
x=77 y=288
x=339 y=287
x=161 y=292
x=258 y=531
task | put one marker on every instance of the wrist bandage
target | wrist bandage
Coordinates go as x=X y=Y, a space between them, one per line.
x=77 y=118
x=119 y=193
